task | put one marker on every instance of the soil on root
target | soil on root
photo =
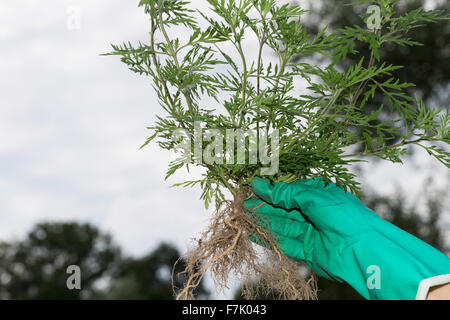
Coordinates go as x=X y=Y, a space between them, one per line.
x=226 y=249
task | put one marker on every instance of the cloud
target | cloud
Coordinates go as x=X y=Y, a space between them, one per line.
x=71 y=124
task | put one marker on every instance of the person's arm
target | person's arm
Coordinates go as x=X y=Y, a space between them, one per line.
x=433 y=287
x=441 y=292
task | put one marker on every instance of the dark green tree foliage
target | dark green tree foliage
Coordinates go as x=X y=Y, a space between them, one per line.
x=35 y=268
x=427 y=224
x=426 y=64
x=149 y=277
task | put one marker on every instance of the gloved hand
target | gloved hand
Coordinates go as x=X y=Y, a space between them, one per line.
x=343 y=240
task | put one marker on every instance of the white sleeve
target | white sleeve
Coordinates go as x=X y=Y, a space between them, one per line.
x=426 y=284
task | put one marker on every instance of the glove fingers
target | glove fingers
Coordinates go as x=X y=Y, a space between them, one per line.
x=265 y=208
x=280 y=224
x=290 y=195
x=291 y=247
x=317 y=182
x=287 y=227
x=277 y=220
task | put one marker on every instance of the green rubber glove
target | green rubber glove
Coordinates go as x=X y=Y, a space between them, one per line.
x=343 y=240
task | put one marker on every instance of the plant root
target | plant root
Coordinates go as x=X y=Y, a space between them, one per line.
x=226 y=249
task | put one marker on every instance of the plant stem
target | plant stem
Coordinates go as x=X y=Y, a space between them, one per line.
x=245 y=75
x=160 y=79
x=403 y=143
x=364 y=83
x=225 y=181
x=174 y=57
x=354 y=98
x=311 y=126
x=258 y=80
x=280 y=72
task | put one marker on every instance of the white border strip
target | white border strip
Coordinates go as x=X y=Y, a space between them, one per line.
x=426 y=284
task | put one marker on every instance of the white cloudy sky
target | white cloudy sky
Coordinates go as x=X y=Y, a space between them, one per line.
x=71 y=123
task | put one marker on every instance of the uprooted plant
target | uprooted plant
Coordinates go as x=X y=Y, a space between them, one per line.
x=231 y=72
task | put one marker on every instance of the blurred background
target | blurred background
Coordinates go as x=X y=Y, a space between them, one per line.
x=75 y=189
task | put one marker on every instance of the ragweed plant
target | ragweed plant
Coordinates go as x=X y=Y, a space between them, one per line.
x=206 y=77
